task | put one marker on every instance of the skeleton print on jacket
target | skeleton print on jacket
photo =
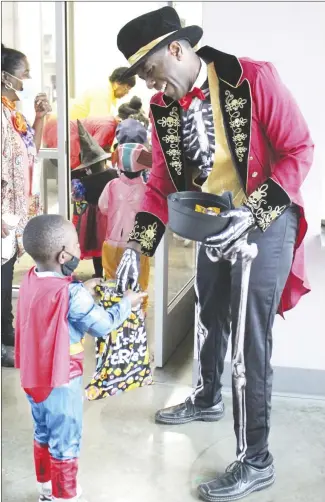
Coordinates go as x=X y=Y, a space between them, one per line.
x=198 y=133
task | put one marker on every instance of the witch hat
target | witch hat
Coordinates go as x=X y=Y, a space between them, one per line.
x=90 y=151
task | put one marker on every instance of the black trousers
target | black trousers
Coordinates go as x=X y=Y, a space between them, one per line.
x=98 y=267
x=214 y=286
x=7 y=275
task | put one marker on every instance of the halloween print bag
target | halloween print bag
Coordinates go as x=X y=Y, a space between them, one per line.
x=122 y=360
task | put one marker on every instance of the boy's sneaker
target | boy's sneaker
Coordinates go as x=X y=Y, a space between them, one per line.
x=45 y=491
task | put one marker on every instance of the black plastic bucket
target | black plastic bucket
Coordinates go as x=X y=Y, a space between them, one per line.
x=190 y=224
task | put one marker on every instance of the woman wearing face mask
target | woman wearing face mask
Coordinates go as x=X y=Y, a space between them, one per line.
x=20 y=144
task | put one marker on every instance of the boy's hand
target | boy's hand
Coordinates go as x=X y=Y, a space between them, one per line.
x=91 y=285
x=136 y=299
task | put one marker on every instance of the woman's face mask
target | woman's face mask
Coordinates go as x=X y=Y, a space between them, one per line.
x=27 y=91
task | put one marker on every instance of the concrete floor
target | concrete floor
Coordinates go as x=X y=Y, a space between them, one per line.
x=126 y=457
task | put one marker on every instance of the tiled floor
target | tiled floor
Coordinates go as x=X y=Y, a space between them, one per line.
x=126 y=457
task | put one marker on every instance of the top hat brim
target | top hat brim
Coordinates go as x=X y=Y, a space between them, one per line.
x=191 y=33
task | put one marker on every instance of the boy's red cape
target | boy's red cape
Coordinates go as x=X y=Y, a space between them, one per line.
x=42 y=345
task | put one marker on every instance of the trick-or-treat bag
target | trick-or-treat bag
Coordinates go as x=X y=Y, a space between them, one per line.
x=122 y=360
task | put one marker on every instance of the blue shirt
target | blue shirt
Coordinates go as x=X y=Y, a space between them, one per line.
x=84 y=316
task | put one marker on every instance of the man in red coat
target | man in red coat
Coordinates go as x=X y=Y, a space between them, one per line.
x=234 y=122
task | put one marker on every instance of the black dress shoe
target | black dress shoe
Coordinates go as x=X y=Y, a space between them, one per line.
x=8 y=339
x=7 y=356
x=188 y=412
x=238 y=481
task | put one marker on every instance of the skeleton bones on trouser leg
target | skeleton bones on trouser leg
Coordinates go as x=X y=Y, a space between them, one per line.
x=247 y=252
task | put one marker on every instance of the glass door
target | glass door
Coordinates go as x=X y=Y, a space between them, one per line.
x=46 y=49
x=175 y=262
x=175 y=265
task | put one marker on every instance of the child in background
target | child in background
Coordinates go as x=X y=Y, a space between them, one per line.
x=54 y=312
x=121 y=198
x=88 y=181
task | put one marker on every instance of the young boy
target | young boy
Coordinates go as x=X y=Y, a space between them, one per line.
x=54 y=313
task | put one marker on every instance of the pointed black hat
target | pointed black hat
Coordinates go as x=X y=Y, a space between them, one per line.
x=90 y=151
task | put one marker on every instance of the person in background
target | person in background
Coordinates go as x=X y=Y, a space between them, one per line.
x=102 y=129
x=133 y=109
x=122 y=197
x=20 y=144
x=102 y=102
x=53 y=315
x=88 y=181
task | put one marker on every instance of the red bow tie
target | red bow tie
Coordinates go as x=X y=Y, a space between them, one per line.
x=187 y=99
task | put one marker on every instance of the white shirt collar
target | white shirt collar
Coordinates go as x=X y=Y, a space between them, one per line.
x=48 y=274
x=202 y=76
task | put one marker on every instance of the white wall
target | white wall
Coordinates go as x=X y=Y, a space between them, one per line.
x=96 y=52
x=7 y=21
x=291 y=35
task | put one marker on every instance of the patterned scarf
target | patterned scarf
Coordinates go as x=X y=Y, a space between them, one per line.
x=21 y=125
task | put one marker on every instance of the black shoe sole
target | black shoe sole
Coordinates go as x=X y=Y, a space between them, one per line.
x=180 y=421
x=256 y=488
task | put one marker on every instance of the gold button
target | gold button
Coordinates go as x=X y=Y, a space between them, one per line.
x=255 y=173
x=251 y=158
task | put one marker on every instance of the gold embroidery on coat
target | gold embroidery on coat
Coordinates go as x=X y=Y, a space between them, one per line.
x=236 y=123
x=172 y=139
x=264 y=213
x=145 y=236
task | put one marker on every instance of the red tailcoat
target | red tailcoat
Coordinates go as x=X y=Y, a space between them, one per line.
x=270 y=145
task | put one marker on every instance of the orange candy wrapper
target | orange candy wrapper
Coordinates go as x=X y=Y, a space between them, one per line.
x=214 y=211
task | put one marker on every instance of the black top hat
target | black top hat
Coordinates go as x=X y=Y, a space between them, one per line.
x=90 y=151
x=148 y=33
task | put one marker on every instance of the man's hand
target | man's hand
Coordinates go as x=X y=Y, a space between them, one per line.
x=136 y=299
x=127 y=273
x=241 y=221
x=91 y=285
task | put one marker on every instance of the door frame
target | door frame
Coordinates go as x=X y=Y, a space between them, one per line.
x=175 y=320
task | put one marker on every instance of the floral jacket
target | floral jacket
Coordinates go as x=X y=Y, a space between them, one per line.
x=18 y=157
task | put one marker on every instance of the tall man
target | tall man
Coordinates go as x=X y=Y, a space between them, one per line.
x=234 y=122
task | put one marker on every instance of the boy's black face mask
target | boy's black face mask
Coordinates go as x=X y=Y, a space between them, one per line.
x=70 y=266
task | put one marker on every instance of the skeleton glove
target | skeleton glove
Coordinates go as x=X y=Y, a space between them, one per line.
x=241 y=222
x=127 y=273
